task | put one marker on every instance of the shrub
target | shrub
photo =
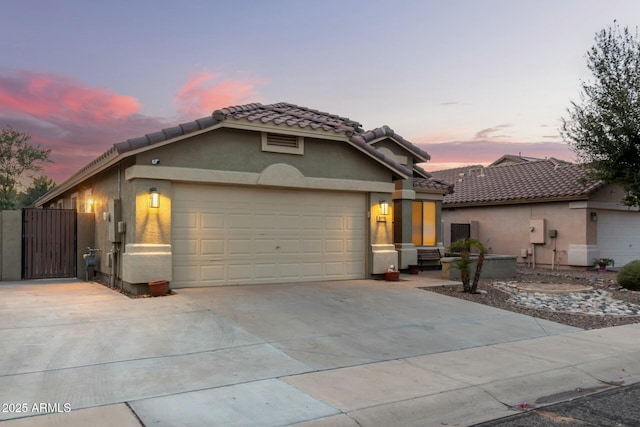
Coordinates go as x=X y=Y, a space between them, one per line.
x=629 y=276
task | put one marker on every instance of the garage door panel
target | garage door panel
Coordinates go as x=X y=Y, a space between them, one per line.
x=185 y=273
x=334 y=246
x=185 y=247
x=228 y=235
x=334 y=223
x=289 y=246
x=239 y=246
x=239 y=221
x=312 y=222
x=312 y=246
x=212 y=247
x=264 y=246
x=289 y=222
x=212 y=221
x=212 y=273
x=184 y=220
x=334 y=269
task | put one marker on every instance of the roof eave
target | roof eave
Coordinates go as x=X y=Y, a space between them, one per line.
x=490 y=203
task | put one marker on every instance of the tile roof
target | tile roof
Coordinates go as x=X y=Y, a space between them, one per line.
x=432 y=183
x=386 y=131
x=531 y=181
x=279 y=114
x=290 y=115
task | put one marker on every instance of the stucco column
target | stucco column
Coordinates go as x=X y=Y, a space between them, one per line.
x=403 y=199
x=149 y=256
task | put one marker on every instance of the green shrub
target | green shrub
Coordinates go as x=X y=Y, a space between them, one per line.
x=629 y=276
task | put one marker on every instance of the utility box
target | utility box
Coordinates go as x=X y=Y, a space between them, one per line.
x=553 y=233
x=113 y=217
x=537 y=231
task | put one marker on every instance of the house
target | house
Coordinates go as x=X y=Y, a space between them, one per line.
x=256 y=194
x=545 y=211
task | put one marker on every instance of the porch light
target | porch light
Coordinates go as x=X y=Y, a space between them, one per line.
x=384 y=207
x=154 y=198
x=384 y=211
x=594 y=216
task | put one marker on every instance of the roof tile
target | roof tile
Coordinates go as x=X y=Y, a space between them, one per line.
x=533 y=180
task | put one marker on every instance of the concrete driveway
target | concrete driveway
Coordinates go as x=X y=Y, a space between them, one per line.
x=320 y=354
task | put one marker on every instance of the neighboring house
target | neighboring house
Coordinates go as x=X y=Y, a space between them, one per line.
x=257 y=194
x=545 y=211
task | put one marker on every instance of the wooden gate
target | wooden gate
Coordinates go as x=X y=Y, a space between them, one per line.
x=48 y=243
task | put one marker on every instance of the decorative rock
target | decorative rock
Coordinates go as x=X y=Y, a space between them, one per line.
x=597 y=302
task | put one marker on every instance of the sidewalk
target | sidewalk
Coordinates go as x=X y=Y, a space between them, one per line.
x=309 y=355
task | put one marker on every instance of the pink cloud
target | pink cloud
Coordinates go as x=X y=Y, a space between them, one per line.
x=77 y=122
x=205 y=91
x=50 y=97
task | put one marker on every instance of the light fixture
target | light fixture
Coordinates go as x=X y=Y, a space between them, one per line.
x=384 y=207
x=89 y=205
x=154 y=198
x=384 y=211
x=594 y=216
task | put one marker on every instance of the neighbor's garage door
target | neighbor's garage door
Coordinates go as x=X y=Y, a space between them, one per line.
x=236 y=235
x=619 y=236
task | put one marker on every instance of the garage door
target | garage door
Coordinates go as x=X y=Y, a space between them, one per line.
x=619 y=236
x=237 y=235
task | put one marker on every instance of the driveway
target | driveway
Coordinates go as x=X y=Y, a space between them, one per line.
x=249 y=355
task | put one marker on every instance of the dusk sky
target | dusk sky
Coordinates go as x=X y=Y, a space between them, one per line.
x=468 y=81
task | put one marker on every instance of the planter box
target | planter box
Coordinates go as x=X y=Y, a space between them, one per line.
x=494 y=267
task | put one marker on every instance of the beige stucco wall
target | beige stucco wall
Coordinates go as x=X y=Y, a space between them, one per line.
x=505 y=229
x=241 y=151
x=11 y=245
x=382 y=251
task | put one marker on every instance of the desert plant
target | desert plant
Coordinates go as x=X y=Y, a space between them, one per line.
x=464 y=246
x=629 y=276
x=604 y=261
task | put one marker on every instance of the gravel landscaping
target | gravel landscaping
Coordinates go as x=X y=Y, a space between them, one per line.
x=584 y=299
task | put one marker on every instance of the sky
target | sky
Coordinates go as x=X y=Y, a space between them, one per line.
x=466 y=80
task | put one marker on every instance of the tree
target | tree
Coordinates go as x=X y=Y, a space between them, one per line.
x=604 y=128
x=18 y=160
x=464 y=246
x=39 y=186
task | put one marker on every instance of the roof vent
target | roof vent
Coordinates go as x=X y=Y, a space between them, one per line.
x=279 y=143
x=290 y=141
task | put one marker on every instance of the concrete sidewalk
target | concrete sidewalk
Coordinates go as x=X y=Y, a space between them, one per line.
x=334 y=353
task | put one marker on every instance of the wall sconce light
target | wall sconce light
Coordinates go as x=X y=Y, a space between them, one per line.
x=384 y=211
x=89 y=207
x=594 y=216
x=154 y=198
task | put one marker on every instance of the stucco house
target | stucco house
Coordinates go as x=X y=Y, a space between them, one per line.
x=545 y=211
x=256 y=194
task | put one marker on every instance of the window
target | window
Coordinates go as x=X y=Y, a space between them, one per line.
x=277 y=143
x=423 y=227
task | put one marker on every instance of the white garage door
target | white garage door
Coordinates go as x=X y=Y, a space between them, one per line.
x=237 y=235
x=619 y=236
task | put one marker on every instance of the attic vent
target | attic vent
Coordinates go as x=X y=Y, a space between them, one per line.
x=278 y=143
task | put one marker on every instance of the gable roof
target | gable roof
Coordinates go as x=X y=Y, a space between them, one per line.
x=509 y=159
x=282 y=114
x=378 y=134
x=531 y=181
